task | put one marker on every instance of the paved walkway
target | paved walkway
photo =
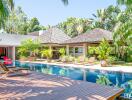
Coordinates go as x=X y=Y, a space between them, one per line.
x=38 y=86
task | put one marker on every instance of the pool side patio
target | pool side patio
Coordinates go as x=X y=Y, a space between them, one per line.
x=126 y=69
x=38 y=86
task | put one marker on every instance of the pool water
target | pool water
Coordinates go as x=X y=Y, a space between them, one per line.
x=116 y=79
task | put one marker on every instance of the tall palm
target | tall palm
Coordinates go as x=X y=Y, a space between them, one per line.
x=5 y=7
x=101 y=15
x=65 y=2
x=106 y=18
x=127 y=3
x=124 y=2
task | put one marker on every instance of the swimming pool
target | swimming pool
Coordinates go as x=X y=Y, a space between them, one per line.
x=112 y=78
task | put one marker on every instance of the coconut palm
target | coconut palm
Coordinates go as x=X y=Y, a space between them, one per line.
x=127 y=3
x=65 y=2
x=5 y=7
x=106 y=18
x=124 y=2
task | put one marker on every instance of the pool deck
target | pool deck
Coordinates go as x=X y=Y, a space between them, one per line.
x=125 y=69
x=37 y=86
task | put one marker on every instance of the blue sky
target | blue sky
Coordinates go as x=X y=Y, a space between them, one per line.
x=51 y=12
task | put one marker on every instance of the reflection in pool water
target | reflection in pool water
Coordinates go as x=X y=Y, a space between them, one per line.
x=116 y=79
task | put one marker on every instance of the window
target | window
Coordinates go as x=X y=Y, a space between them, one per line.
x=71 y=50
x=78 y=50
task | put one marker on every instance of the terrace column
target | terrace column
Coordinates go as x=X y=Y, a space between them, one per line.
x=85 y=50
x=13 y=53
x=67 y=50
x=74 y=54
x=50 y=47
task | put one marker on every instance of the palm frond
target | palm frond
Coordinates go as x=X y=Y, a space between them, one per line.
x=124 y=2
x=11 y=4
x=5 y=7
x=65 y=2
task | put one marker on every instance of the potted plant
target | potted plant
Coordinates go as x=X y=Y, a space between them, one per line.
x=71 y=59
x=65 y=59
x=103 y=52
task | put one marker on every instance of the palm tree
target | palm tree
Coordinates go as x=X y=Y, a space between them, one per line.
x=5 y=7
x=65 y=2
x=127 y=3
x=121 y=2
x=106 y=18
x=124 y=2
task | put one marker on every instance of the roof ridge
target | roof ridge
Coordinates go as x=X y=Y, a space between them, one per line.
x=91 y=36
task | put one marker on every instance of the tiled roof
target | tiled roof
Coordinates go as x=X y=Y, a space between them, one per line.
x=13 y=39
x=36 y=33
x=95 y=35
x=53 y=35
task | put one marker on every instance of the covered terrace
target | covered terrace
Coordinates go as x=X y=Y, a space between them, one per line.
x=78 y=46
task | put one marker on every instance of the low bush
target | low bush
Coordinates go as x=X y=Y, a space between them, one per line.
x=103 y=50
x=68 y=59
x=62 y=52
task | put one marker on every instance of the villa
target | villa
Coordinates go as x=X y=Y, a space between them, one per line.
x=77 y=46
x=75 y=52
x=55 y=39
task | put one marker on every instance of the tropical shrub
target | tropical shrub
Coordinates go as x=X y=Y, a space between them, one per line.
x=68 y=58
x=48 y=53
x=22 y=52
x=29 y=48
x=113 y=59
x=92 y=51
x=103 y=50
x=62 y=52
x=82 y=59
x=123 y=38
x=129 y=53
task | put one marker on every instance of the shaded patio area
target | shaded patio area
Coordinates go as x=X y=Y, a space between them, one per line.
x=38 y=86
